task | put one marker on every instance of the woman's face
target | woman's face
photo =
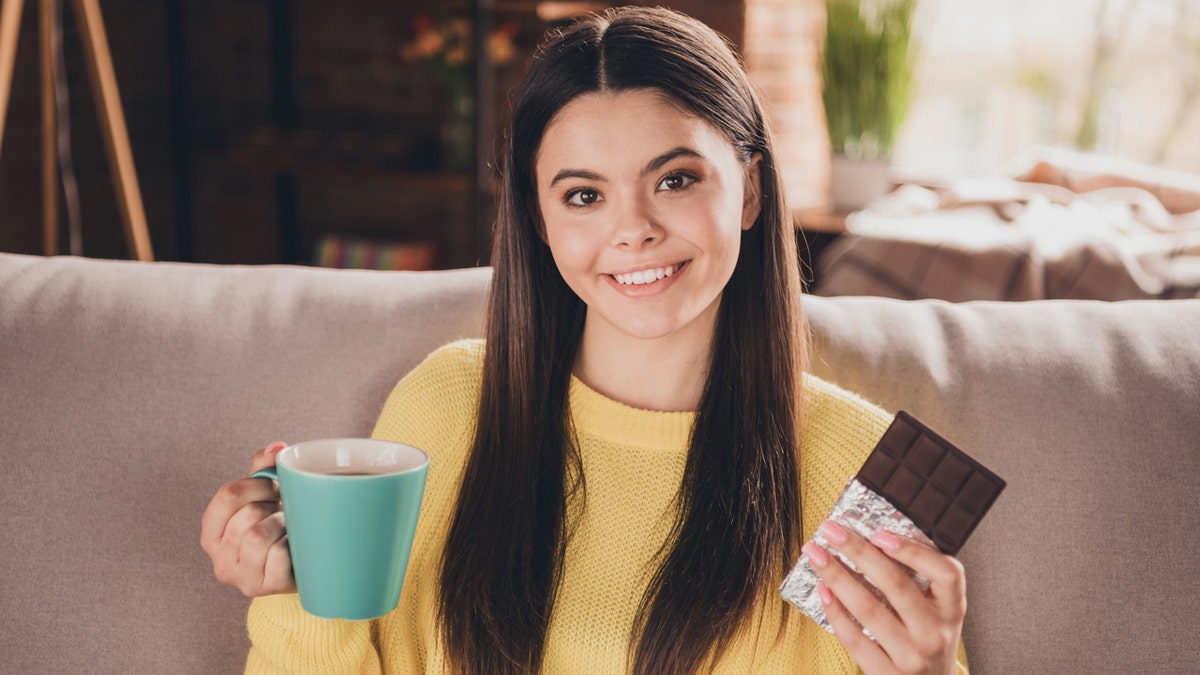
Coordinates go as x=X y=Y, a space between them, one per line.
x=643 y=207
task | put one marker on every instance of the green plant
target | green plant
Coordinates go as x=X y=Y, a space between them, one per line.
x=867 y=73
x=445 y=48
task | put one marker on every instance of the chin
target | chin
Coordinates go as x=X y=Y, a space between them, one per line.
x=651 y=330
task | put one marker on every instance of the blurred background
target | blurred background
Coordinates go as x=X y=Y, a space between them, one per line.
x=1119 y=78
x=361 y=132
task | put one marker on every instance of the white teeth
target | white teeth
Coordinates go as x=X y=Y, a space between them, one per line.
x=645 y=276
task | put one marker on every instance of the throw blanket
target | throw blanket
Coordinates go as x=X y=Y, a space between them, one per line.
x=1014 y=239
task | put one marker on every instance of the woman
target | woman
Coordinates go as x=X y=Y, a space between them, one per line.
x=619 y=472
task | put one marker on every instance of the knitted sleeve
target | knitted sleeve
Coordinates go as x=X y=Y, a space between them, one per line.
x=286 y=639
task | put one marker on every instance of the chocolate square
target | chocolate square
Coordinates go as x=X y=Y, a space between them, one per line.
x=924 y=456
x=879 y=466
x=931 y=501
x=939 y=487
x=950 y=475
x=904 y=484
x=956 y=526
x=979 y=493
x=898 y=439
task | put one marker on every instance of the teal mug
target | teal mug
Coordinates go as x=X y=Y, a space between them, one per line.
x=351 y=507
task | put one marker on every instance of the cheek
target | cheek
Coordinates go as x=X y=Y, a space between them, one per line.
x=571 y=245
x=727 y=246
x=720 y=221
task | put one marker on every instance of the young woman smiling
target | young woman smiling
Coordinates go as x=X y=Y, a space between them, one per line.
x=623 y=472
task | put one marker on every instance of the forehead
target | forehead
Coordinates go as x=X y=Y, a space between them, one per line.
x=623 y=130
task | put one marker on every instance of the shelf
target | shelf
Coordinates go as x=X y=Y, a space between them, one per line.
x=300 y=158
x=405 y=6
x=374 y=158
x=555 y=9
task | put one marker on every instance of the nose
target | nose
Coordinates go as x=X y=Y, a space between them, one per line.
x=635 y=226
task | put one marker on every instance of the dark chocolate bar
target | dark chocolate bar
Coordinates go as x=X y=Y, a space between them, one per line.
x=942 y=490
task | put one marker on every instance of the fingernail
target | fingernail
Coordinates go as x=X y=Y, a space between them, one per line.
x=275 y=447
x=885 y=540
x=816 y=555
x=825 y=593
x=834 y=532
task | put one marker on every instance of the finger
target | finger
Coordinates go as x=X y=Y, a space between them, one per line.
x=266 y=456
x=230 y=499
x=255 y=545
x=277 y=575
x=234 y=495
x=246 y=518
x=895 y=582
x=869 y=656
x=857 y=598
x=947 y=577
x=224 y=551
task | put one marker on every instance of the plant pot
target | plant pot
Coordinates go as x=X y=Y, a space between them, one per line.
x=854 y=183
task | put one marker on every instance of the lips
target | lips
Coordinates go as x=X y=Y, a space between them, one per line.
x=647 y=276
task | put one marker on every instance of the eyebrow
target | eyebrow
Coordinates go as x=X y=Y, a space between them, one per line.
x=652 y=165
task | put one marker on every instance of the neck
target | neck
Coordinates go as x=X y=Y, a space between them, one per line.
x=666 y=374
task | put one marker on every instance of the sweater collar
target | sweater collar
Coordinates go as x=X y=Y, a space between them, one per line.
x=598 y=416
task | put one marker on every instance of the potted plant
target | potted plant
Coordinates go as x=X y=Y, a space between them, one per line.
x=867 y=66
x=445 y=48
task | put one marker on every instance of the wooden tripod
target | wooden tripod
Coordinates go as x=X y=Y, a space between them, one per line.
x=108 y=102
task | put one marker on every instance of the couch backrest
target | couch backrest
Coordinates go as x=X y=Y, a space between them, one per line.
x=129 y=392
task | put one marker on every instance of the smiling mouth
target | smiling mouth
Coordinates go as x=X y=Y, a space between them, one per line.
x=643 y=277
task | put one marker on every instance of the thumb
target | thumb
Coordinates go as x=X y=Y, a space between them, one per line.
x=266 y=456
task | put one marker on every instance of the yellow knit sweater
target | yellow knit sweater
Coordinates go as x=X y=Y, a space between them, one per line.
x=633 y=460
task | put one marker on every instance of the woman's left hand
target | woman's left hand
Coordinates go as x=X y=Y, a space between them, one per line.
x=922 y=635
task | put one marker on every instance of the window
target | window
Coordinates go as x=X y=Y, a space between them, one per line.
x=1114 y=77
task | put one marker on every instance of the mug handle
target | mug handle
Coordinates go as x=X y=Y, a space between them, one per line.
x=268 y=472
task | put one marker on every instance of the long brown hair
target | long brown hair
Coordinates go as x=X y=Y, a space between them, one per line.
x=739 y=504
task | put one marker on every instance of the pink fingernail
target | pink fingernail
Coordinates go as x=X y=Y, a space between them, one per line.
x=825 y=593
x=834 y=532
x=275 y=447
x=885 y=540
x=816 y=555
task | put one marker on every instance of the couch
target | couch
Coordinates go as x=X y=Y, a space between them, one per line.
x=130 y=391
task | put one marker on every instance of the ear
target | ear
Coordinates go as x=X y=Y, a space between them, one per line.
x=752 y=195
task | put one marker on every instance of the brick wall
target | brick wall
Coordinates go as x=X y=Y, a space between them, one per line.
x=781 y=50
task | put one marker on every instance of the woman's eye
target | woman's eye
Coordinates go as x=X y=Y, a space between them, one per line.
x=582 y=197
x=676 y=181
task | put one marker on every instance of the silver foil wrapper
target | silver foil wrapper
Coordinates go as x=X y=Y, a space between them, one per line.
x=863 y=511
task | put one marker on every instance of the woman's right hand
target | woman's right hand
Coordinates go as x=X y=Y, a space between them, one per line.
x=242 y=530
